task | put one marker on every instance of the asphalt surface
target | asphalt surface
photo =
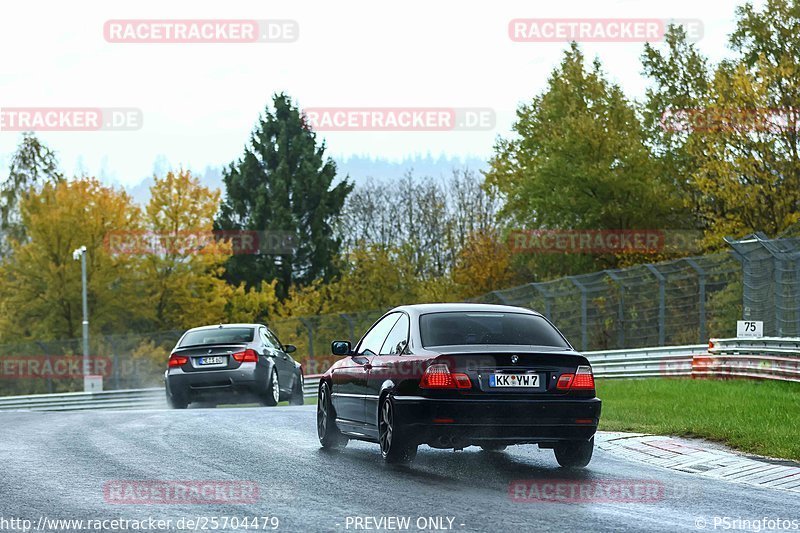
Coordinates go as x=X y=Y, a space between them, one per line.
x=59 y=466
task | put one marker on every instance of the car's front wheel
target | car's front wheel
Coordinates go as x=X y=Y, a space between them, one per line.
x=273 y=394
x=297 y=391
x=395 y=444
x=329 y=435
x=574 y=454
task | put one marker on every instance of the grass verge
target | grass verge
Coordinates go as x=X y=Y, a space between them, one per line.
x=760 y=417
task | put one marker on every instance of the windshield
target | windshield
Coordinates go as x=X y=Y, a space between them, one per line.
x=455 y=328
x=217 y=336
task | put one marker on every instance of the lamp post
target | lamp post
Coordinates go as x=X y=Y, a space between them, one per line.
x=80 y=254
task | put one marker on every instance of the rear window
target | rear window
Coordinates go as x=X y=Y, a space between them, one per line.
x=218 y=336
x=460 y=328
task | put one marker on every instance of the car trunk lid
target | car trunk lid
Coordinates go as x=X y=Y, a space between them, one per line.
x=511 y=372
x=206 y=357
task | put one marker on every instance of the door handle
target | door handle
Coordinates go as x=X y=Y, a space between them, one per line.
x=367 y=366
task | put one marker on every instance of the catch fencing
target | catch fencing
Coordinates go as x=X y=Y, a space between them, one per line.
x=673 y=302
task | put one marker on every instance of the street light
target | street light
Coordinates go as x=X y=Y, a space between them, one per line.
x=80 y=254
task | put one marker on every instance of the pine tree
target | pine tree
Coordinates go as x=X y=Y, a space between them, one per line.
x=32 y=165
x=283 y=183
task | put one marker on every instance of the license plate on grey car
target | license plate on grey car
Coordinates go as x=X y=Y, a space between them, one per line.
x=211 y=361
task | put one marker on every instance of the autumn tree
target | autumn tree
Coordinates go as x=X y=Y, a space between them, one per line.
x=372 y=277
x=256 y=304
x=680 y=82
x=579 y=161
x=40 y=283
x=484 y=265
x=182 y=270
x=750 y=170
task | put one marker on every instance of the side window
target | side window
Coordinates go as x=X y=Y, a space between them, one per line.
x=265 y=338
x=397 y=340
x=272 y=339
x=372 y=341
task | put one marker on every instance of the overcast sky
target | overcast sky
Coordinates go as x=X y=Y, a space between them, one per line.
x=200 y=101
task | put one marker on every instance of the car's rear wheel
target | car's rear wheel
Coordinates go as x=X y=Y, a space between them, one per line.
x=493 y=447
x=273 y=394
x=176 y=403
x=297 y=391
x=574 y=454
x=395 y=445
x=329 y=434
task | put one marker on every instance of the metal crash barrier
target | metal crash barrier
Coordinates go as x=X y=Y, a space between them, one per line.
x=772 y=358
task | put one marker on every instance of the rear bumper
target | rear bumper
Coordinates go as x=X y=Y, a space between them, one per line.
x=248 y=379
x=464 y=422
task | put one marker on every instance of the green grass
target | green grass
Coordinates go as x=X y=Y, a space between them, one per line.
x=760 y=417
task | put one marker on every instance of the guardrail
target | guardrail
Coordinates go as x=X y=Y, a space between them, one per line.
x=645 y=362
x=766 y=358
x=310 y=386
x=80 y=401
x=774 y=358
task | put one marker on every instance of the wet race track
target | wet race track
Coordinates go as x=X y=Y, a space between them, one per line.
x=265 y=464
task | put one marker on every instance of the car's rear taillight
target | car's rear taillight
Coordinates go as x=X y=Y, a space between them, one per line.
x=177 y=360
x=246 y=356
x=582 y=379
x=439 y=377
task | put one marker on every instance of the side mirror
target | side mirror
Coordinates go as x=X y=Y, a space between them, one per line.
x=289 y=348
x=341 y=348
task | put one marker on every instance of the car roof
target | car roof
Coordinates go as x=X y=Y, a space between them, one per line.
x=421 y=309
x=224 y=326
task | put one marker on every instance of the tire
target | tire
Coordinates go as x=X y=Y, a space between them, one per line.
x=574 y=454
x=298 y=397
x=273 y=394
x=493 y=447
x=176 y=403
x=396 y=448
x=329 y=435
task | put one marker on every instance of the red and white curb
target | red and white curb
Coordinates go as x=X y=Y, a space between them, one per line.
x=694 y=457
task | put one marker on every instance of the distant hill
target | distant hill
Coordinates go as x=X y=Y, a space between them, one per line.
x=358 y=168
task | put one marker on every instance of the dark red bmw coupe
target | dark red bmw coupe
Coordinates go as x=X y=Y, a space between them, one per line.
x=456 y=375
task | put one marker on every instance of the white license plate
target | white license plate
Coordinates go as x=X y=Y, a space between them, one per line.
x=530 y=381
x=211 y=361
